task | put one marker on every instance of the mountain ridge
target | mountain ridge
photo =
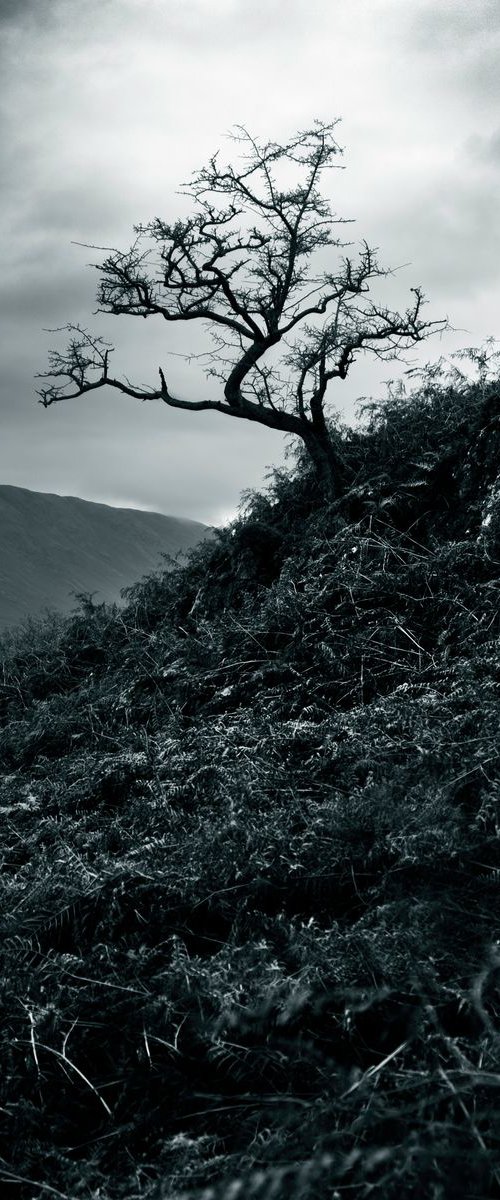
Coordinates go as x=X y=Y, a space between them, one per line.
x=53 y=547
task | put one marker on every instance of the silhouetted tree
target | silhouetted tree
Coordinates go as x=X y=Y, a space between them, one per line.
x=251 y=264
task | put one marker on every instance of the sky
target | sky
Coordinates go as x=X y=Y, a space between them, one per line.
x=108 y=106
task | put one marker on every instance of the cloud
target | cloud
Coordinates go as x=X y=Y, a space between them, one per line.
x=28 y=14
x=453 y=23
x=464 y=38
x=484 y=149
x=12 y=10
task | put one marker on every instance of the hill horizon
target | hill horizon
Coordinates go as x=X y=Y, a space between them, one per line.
x=54 y=547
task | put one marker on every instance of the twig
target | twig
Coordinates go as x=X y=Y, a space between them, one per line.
x=67 y=1061
x=369 y=1074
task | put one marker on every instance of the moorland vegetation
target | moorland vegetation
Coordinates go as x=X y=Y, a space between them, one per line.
x=250 y=852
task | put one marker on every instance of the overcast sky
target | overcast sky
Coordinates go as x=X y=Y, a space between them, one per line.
x=109 y=105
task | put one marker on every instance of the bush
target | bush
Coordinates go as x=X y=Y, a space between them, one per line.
x=250 y=851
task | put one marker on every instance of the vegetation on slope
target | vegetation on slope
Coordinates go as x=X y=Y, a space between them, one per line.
x=250 y=846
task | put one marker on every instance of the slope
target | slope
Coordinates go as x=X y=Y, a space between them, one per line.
x=52 y=547
x=250 y=882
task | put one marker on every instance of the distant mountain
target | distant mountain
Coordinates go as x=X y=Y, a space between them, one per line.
x=53 y=546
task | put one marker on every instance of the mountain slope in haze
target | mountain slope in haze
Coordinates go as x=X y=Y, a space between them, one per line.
x=52 y=547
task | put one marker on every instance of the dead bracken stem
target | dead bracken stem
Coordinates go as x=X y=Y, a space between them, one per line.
x=67 y=1062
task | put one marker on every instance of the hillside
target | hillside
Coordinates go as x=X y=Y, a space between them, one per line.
x=53 y=547
x=250 y=878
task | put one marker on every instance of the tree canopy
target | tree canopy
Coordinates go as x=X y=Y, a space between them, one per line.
x=261 y=263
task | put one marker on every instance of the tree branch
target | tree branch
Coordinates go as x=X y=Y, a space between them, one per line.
x=246 y=264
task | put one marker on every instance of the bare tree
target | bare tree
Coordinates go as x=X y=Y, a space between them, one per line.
x=249 y=263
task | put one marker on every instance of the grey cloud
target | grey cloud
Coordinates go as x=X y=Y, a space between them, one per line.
x=67 y=211
x=11 y=10
x=447 y=26
x=239 y=25
x=46 y=13
x=25 y=13
x=443 y=231
x=464 y=38
x=477 y=78
x=484 y=149
x=47 y=296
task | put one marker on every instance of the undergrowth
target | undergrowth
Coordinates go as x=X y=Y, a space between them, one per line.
x=249 y=863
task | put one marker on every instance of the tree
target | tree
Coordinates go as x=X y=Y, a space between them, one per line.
x=249 y=264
